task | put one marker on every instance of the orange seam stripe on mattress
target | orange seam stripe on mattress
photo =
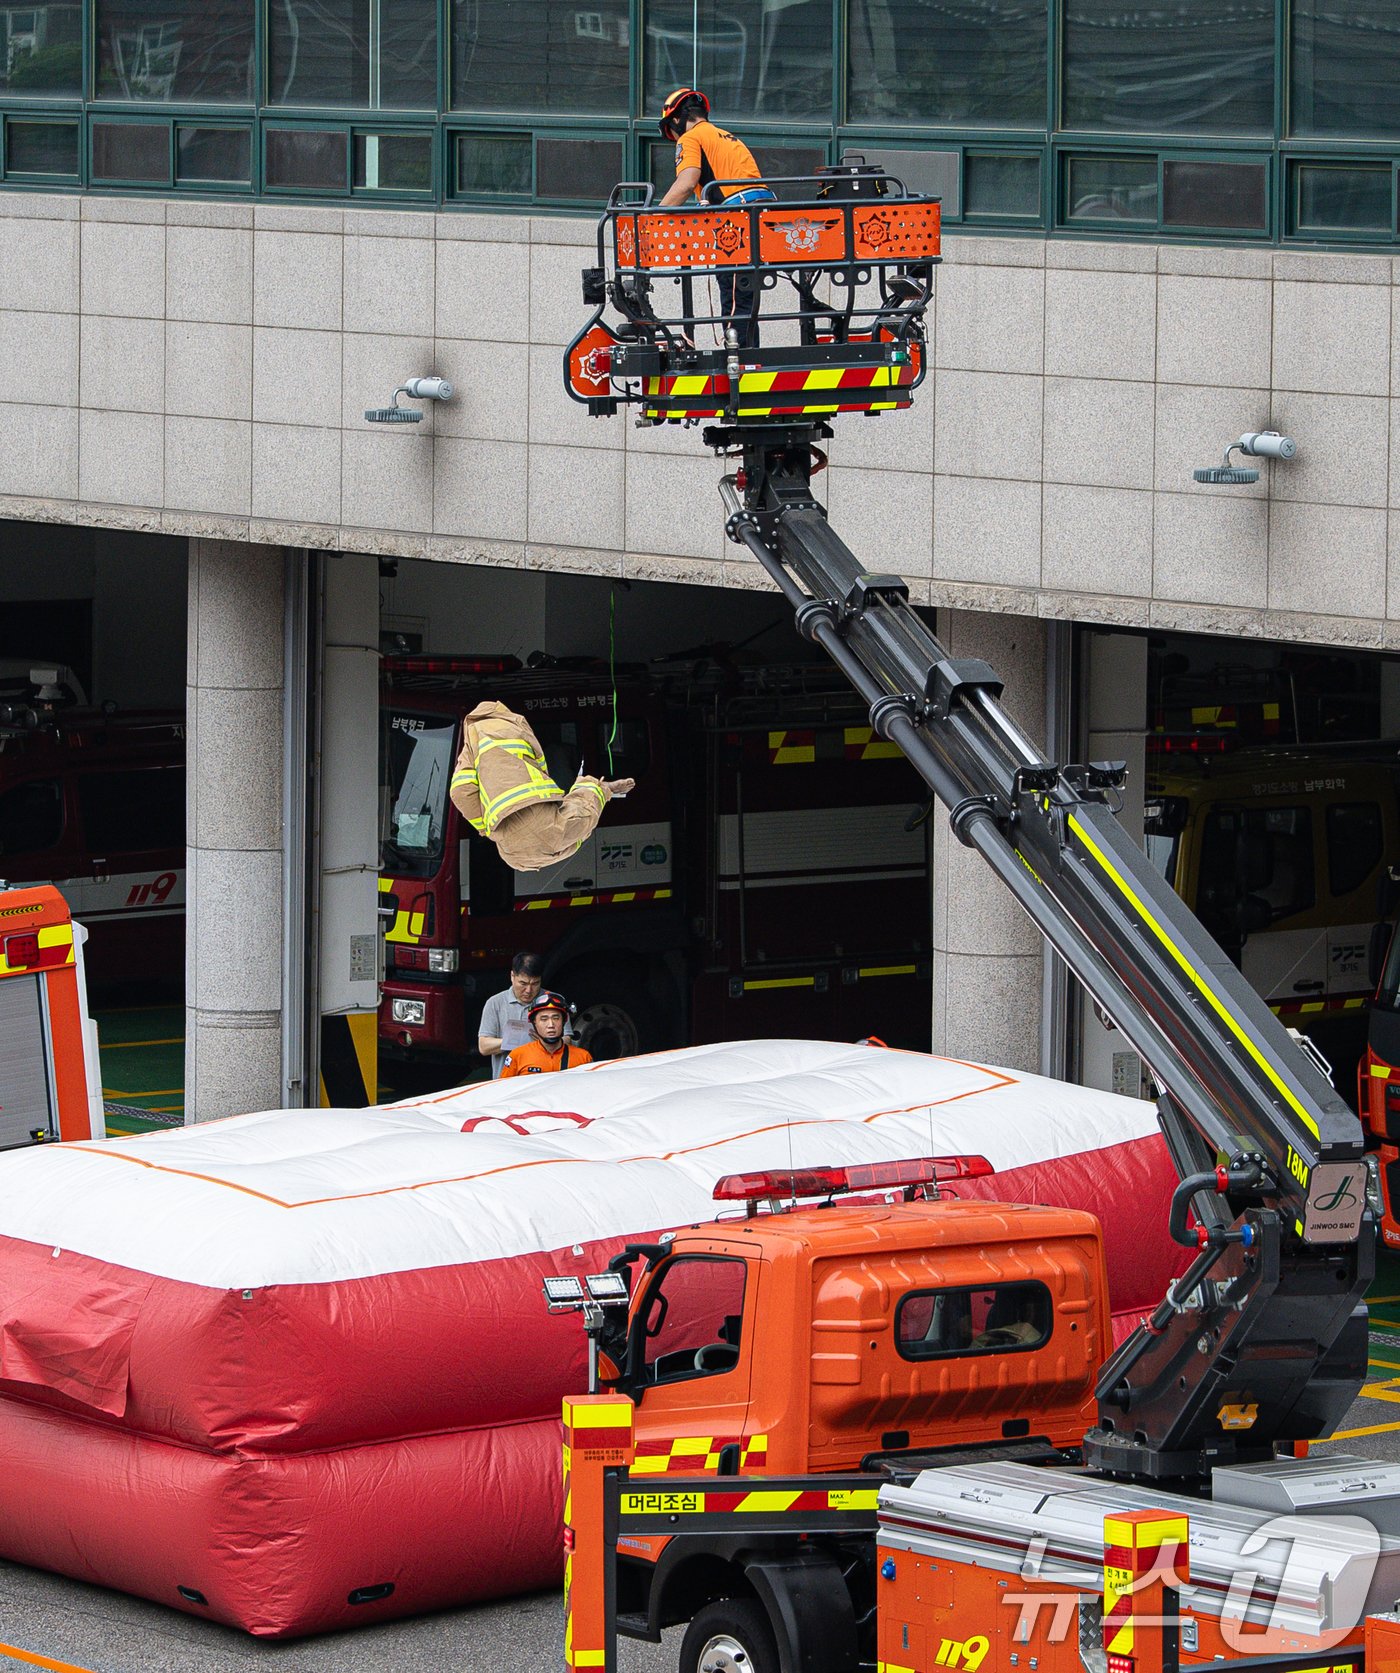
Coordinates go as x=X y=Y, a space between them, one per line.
x=9 y=1652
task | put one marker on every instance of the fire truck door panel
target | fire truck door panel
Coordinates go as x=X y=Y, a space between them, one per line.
x=37 y=831
x=26 y=1103
x=1287 y=965
x=698 y=1362
x=616 y=856
x=574 y=876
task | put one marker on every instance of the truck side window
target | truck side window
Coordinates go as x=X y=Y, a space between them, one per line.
x=997 y=1318
x=31 y=817
x=1354 y=844
x=1261 y=855
x=693 y=1318
x=140 y=808
x=631 y=749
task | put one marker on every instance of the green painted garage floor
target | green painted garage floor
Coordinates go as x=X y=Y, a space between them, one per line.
x=142 y=1050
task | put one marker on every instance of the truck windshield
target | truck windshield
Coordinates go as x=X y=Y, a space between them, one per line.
x=416 y=767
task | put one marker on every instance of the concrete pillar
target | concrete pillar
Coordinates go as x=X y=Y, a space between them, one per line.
x=986 y=953
x=234 y=938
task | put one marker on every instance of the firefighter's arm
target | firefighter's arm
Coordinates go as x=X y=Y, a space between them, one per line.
x=508 y=1070
x=683 y=187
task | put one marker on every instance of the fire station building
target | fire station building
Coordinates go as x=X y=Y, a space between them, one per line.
x=228 y=228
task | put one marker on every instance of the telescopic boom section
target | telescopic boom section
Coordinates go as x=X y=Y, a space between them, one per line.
x=1263 y=1340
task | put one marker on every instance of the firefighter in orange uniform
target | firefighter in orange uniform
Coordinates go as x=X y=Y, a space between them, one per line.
x=549 y=1051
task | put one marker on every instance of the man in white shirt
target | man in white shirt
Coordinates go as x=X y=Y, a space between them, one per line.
x=505 y=1020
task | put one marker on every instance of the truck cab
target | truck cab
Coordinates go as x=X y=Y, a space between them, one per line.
x=854 y=1336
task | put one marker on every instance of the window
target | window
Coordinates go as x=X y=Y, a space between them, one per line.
x=1117 y=188
x=996 y=1318
x=495 y=164
x=943 y=61
x=41 y=50
x=577 y=170
x=392 y=162
x=1178 y=68
x=134 y=151
x=1256 y=867
x=629 y=753
x=1342 y=198
x=541 y=55
x=131 y=811
x=997 y=184
x=1344 y=68
x=692 y=1318
x=768 y=61
x=40 y=149
x=218 y=156
x=1210 y=194
x=31 y=817
x=1354 y=843
x=306 y=159
x=365 y=54
x=175 y=51
x=418 y=758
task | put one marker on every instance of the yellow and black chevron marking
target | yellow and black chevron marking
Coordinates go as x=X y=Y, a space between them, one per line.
x=350 y=1060
x=604 y=897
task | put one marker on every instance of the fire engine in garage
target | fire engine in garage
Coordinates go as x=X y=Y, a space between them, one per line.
x=767 y=876
x=94 y=802
x=1378 y=1074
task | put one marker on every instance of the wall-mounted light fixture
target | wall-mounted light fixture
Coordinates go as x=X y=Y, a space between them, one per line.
x=417 y=389
x=1254 y=444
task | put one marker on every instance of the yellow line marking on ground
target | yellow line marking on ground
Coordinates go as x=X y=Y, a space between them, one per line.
x=154 y=1092
x=1380 y=1391
x=1380 y=1300
x=1389 y=1364
x=126 y=1045
x=40 y=1661
x=1390 y=1324
x=1354 y=1434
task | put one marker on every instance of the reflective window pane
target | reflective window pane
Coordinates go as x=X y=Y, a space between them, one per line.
x=577 y=170
x=1345 y=68
x=1111 y=189
x=310 y=158
x=540 y=55
x=223 y=156
x=753 y=59
x=495 y=163
x=392 y=162
x=185 y=51
x=138 y=151
x=994 y=184
x=41 y=148
x=1342 y=199
x=1182 y=67
x=1214 y=195
x=364 y=54
x=41 y=50
x=948 y=61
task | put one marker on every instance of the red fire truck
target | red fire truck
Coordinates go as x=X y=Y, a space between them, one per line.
x=94 y=802
x=767 y=876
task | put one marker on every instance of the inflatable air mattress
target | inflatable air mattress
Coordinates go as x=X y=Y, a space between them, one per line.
x=292 y=1371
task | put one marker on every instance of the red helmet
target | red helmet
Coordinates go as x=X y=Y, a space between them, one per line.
x=548 y=1001
x=672 y=112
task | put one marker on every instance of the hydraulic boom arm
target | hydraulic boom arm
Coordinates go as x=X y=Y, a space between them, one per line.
x=1263 y=1340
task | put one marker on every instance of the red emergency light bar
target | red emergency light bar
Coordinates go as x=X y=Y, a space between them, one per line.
x=1190 y=743
x=905 y=1175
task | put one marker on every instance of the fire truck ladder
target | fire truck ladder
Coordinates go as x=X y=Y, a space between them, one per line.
x=1263 y=1340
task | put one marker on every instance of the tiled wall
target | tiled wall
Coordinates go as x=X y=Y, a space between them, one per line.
x=203 y=369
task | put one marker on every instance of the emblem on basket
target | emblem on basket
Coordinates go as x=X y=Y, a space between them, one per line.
x=597 y=364
x=626 y=242
x=875 y=230
x=803 y=234
x=729 y=236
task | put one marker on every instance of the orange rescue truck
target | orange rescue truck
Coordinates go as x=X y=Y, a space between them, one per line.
x=826 y=1530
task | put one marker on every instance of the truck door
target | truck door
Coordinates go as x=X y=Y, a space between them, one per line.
x=689 y=1362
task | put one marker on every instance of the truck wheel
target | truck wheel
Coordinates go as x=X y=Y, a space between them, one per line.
x=615 y=1016
x=732 y=1636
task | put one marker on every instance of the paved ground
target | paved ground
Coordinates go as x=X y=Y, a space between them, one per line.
x=142 y=1048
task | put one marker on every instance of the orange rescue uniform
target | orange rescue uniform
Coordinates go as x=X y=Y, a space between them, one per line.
x=535 y=1058
x=718 y=156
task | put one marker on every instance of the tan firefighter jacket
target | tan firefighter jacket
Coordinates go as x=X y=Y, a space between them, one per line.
x=502 y=788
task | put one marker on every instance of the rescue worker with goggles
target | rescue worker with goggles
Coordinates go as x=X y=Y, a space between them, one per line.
x=706 y=155
x=502 y=787
x=549 y=1051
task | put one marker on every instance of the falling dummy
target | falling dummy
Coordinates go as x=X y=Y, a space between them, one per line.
x=502 y=788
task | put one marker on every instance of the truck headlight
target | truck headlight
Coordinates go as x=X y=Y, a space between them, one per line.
x=410 y=1010
x=443 y=959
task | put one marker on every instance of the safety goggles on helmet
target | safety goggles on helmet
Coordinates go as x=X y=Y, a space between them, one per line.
x=672 y=112
x=548 y=1001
